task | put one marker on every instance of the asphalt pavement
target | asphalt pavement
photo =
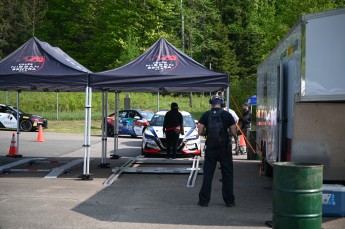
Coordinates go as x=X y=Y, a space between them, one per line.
x=28 y=200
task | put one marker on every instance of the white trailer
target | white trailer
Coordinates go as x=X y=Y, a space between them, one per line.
x=301 y=96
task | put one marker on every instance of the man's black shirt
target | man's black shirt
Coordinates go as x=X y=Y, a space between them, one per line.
x=173 y=118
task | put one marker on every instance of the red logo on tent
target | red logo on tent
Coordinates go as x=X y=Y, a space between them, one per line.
x=34 y=59
x=163 y=63
x=29 y=64
x=168 y=57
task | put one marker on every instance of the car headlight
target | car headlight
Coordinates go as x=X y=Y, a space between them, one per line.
x=194 y=137
x=149 y=136
x=35 y=119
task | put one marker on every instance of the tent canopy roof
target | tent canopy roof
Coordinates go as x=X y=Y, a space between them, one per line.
x=37 y=66
x=162 y=68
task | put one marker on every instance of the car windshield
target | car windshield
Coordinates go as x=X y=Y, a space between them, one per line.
x=147 y=114
x=15 y=109
x=157 y=120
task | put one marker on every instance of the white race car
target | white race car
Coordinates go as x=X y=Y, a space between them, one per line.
x=154 y=141
x=27 y=122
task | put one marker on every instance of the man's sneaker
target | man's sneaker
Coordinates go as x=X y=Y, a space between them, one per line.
x=230 y=205
x=202 y=205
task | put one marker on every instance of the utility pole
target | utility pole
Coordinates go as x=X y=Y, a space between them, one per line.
x=183 y=49
x=182 y=29
x=33 y=18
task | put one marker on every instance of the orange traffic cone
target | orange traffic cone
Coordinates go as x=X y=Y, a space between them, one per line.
x=40 y=137
x=13 y=148
x=241 y=141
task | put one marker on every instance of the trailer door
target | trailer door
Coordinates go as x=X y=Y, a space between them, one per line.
x=280 y=115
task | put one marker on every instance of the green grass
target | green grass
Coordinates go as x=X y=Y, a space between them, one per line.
x=71 y=111
x=75 y=123
x=71 y=105
x=73 y=126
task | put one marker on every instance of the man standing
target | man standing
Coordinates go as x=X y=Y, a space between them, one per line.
x=172 y=128
x=236 y=118
x=246 y=119
x=234 y=115
x=215 y=153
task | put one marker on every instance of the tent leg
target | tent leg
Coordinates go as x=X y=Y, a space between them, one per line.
x=228 y=98
x=18 y=132
x=116 y=128
x=86 y=166
x=104 y=163
x=157 y=101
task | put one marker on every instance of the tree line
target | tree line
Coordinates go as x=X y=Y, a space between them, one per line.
x=231 y=36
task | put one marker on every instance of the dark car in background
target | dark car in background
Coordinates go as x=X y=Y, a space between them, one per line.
x=27 y=122
x=131 y=122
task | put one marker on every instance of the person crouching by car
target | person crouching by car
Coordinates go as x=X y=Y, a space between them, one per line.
x=172 y=128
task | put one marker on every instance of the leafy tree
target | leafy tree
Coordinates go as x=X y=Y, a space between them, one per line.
x=228 y=36
x=145 y=22
x=18 y=20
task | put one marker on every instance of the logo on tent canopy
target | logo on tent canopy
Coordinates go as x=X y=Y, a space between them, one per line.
x=163 y=63
x=29 y=64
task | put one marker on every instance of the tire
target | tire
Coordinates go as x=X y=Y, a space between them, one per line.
x=134 y=135
x=237 y=151
x=110 y=131
x=267 y=168
x=143 y=153
x=242 y=150
x=26 y=126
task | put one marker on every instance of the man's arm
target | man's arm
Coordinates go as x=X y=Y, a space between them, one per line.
x=164 y=123
x=233 y=130
x=201 y=129
x=247 y=118
x=181 y=124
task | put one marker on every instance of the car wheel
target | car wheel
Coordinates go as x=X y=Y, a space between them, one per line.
x=110 y=131
x=143 y=153
x=25 y=125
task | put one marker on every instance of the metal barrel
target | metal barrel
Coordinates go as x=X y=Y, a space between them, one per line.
x=297 y=195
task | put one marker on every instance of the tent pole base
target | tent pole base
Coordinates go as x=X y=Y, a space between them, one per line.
x=15 y=156
x=115 y=156
x=86 y=177
x=104 y=165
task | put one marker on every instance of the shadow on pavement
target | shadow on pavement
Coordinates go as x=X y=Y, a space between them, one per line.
x=164 y=199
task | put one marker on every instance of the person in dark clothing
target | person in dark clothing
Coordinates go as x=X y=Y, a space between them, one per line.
x=172 y=128
x=215 y=154
x=246 y=119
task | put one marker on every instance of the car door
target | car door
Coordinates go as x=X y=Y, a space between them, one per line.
x=130 y=122
x=7 y=119
x=138 y=123
x=123 y=115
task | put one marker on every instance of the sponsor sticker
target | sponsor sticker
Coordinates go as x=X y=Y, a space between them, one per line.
x=328 y=199
x=163 y=63
x=29 y=64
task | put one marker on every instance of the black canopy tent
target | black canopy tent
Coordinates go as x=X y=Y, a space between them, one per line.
x=37 y=66
x=162 y=68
